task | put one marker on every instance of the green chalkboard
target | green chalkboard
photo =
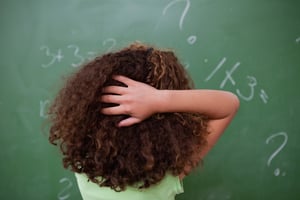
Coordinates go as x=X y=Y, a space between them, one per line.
x=251 y=48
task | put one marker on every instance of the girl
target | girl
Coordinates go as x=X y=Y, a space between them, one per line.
x=130 y=125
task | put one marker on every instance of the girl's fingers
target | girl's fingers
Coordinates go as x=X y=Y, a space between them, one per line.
x=115 y=110
x=114 y=90
x=124 y=79
x=129 y=121
x=119 y=89
x=110 y=98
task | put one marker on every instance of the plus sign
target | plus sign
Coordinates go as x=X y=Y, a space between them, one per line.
x=59 y=56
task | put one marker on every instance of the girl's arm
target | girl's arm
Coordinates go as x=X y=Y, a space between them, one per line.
x=140 y=101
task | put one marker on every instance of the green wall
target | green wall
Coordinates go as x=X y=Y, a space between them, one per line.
x=251 y=48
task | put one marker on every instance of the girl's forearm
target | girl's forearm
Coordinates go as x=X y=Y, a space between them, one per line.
x=213 y=103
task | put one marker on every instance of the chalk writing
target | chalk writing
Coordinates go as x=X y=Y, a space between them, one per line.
x=183 y=14
x=228 y=75
x=186 y=65
x=43 y=105
x=252 y=82
x=276 y=152
x=65 y=192
x=91 y=55
x=76 y=54
x=216 y=69
x=111 y=42
x=79 y=56
x=191 y=39
x=263 y=95
x=53 y=57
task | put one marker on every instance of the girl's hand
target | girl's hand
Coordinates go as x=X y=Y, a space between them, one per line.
x=138 y=100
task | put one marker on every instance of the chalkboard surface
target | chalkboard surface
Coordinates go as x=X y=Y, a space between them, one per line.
x=251 y=48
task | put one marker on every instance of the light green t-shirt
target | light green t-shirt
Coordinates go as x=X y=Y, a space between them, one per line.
x=164 y=190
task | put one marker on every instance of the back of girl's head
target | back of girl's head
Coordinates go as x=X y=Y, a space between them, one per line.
x=93 y=144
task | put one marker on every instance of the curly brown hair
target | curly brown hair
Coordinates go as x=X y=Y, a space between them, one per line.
x=113 y=156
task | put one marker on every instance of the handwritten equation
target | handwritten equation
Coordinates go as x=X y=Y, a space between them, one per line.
x=56 y=56
x=251 y=82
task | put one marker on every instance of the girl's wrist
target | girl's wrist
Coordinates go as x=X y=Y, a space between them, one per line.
x=162 y=100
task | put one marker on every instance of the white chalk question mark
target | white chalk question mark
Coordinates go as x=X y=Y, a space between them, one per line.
x=275 y=153
x=191 y=39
